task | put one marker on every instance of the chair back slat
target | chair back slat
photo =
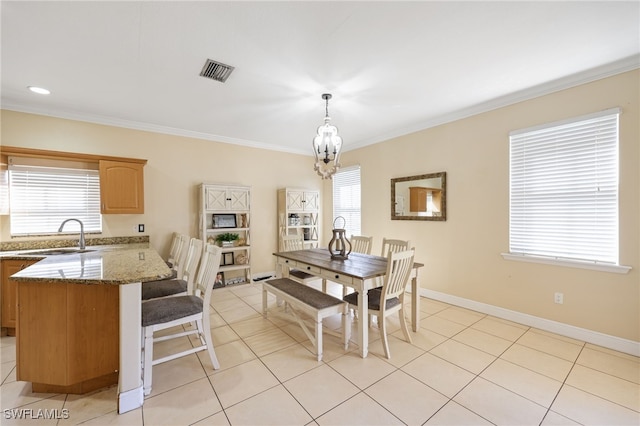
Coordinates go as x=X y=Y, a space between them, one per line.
x=191 y=263
x=361 y=244
x=180 y=254
x=292 y=242
x=209 y=265
x=392 y=246
x=399 y=266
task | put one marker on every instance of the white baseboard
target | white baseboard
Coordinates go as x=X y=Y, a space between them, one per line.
x=605 y=340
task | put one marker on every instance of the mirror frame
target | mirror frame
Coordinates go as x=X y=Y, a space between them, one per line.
x=443 y=207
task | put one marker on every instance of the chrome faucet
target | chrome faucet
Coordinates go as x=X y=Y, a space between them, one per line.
x=81 y=243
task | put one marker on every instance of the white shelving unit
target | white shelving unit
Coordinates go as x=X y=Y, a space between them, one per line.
x=227 y=209
x=298 y=211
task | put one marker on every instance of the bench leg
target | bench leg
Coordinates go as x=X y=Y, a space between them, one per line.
x=264 y=302
x=318 y=325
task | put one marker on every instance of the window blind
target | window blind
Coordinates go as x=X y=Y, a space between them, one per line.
x=564 y=189
x=346 y=198
x=41 y=198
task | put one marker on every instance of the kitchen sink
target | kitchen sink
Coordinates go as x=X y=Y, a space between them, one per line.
x=58 y=251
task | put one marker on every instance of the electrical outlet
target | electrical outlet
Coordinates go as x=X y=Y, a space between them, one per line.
x=558 y=298
x=141 y=227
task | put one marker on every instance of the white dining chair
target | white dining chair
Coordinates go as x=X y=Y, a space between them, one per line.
x=177 y=286
x=168 y=312
x=393 y=245
x=361 y=244
x=389 y=298
x=296 y=242
x=177 y=253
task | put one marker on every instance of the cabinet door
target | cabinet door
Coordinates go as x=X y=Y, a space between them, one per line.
x=311 y=200
x=10 y=267
x=295 y=200
x=121 y=187
x=215 y=198
x=238 y=199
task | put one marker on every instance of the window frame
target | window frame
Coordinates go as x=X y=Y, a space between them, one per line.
x=340 y=211
x=534 y=154
x=45 y=192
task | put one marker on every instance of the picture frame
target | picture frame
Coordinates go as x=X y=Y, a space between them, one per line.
x=226 y=259
x=219 y=282
x=224 y=221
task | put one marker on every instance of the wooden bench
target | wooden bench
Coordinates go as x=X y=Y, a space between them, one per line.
x=316 y=304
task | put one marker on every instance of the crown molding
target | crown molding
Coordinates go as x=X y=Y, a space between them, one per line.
x=608 y=70
x=618 y=67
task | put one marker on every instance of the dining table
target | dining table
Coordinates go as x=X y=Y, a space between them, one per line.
x=361 y=272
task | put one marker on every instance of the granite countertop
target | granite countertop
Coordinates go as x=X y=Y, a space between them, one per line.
x=105 y=265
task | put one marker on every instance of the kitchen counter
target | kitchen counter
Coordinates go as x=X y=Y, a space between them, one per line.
x=79 y=320
x=104 y=265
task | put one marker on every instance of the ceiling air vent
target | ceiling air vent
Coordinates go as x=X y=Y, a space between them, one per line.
x=216 y=71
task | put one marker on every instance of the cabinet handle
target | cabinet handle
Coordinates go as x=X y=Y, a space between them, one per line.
x=308 y=268
x=337 y=277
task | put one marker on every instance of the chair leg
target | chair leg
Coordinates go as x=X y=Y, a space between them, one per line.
x=148 y=360
x=346 y=327
x=206 y=332
x=403 y=325
x=382 y=325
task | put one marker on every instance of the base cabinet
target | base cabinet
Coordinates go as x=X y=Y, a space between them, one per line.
x=68 y=336
x=9 y=301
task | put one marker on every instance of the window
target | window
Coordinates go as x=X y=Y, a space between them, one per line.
x=564 y=190
x=346 y=198
x=44 y=193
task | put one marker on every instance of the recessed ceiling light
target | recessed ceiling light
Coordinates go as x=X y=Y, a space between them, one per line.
x=38 y=90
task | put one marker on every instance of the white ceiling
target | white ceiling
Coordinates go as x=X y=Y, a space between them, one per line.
x=392 y=67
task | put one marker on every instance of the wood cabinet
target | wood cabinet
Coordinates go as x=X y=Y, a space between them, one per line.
x=298 y=211
x=9 y=300
x=227 y=209
x=68 y=339
x=121 y=187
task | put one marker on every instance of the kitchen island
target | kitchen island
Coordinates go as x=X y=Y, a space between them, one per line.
x=78 y=321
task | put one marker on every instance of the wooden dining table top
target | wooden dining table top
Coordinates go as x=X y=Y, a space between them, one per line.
x=358 y=265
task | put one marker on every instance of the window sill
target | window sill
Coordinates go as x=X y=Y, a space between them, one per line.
x=604 y=267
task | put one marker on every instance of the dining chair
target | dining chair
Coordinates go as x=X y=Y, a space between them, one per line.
x=361 y=244
x=296 y=242
x=391 y=245
x=177 y=253
x=168 y=312
x=389 y=298
x=176 y=286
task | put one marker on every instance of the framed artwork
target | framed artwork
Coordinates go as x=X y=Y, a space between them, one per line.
x=226 y=259
x=224 y=221
x=219 y=282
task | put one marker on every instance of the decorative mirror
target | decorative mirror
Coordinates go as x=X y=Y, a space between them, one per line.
x=422 y=197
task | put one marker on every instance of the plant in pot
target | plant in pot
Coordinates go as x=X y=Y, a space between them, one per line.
x=227 y=239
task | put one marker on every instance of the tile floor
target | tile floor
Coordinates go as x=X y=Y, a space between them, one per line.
x=463 y=368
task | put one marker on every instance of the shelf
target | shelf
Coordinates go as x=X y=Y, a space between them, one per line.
x=235 y=248
x=227 y=229
x=233 y=268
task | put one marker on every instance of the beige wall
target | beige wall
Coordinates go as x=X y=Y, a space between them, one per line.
x=462 y=255
x=176 y=166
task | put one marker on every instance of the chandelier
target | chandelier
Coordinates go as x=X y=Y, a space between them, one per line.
x=327 y=145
